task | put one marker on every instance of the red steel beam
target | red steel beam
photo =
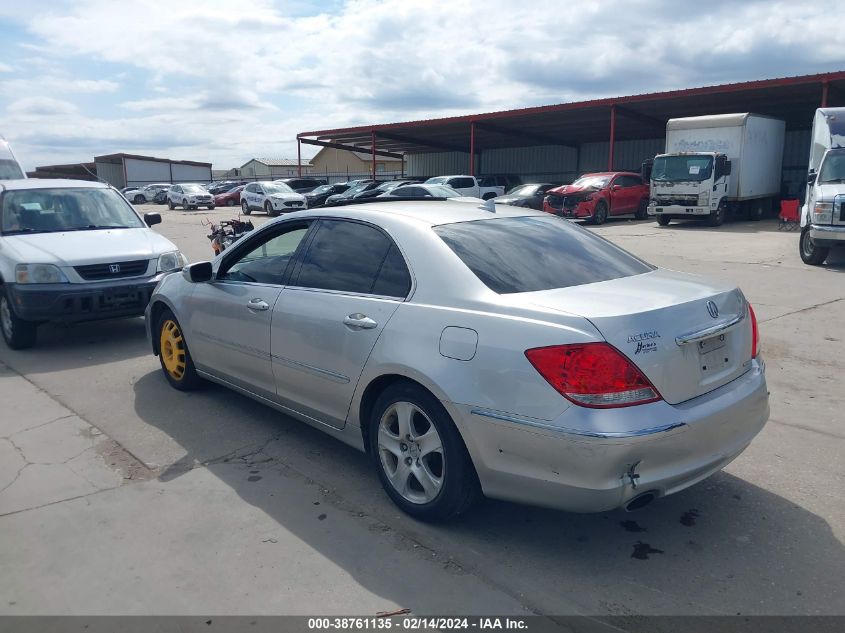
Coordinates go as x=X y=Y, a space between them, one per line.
x=612 y=138
x=373 y=148
x=472 y=148
x=580 y=105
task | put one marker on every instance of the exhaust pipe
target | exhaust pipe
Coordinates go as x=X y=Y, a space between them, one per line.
x=641 y=501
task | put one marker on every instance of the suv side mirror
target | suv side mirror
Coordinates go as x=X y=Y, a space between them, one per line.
x=198 y=273
x=811 y=177
x=151 y=219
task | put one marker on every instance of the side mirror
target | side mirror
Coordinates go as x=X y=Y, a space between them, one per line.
x=811 y=177
x=616 y=187
x=151 y=219
x=198 y=273
x=727 y=168
x=645 y=169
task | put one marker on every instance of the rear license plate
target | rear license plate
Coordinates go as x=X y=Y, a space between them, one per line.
x=713 y=357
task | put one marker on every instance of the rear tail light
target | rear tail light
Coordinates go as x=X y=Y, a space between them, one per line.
x=595 y=375
x=755 y=333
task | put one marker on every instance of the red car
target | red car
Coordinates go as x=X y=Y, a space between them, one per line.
x=231 y=198
x=595 y=197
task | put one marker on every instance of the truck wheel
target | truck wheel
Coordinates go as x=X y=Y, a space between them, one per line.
x=755 y=210
x=810 y=253
x=717 y=217
x=663 y=220
x=642 y=210
x=600 y=213
x=17 y=333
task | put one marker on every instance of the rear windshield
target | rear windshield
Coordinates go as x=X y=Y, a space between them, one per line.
x=536 y=253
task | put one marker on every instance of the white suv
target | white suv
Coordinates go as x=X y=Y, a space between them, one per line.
x=271 y=197
x=188 y=196
x=72 y=250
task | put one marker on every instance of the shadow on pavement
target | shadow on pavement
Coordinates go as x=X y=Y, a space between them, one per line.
x=723 y=546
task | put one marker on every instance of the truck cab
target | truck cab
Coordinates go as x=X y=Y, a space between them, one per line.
x=689 y=184
x=823 y=214
x=10 y=168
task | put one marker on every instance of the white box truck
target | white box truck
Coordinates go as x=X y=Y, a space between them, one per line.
x=823 y=213
x=717 y=165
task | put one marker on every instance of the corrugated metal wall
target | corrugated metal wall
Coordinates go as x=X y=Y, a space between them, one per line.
x=111 y=173
x=555 y=163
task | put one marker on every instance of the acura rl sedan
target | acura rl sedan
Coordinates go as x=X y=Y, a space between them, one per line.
x=475 y=349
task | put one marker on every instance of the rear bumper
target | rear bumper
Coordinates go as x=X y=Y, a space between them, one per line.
x=827 y=235
x=82 y=302
x=670 y=447
x=674 y=210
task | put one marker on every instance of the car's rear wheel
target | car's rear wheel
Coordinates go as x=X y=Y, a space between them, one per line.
x=419 y=455
x=245 y=208
x=230 y=203
x=663 y=220
x=642 y=210
x=600 y=212
x=18 y=333
x=139 y=199
x=173 y=354
x=811 y=253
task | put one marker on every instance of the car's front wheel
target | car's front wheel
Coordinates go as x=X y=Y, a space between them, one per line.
x=663 y=220
x=419 y=455
x=211 y=207
x=18 y=333
x=170 y=204
x=600 y=213
x=139 y=199
x=173 y=354
x=245 y=208
x=811 y=253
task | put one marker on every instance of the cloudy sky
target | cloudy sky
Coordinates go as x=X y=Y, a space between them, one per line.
x=226 y=81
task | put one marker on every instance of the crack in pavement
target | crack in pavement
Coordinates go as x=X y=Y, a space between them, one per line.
x=807 y=309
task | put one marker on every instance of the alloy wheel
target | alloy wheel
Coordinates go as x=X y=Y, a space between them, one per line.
x=411 y=452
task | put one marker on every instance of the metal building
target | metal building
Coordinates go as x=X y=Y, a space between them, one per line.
x=129 y=170
x=558 y=142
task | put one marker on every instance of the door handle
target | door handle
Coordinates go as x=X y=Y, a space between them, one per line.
x=257 y=305
x=359 y=321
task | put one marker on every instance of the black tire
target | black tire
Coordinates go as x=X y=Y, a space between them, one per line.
x=170 y=204
x=755 y=210
x=18 y=333
x=211 y=207
x=810 y=253
x=230 y=202
x=663 y=220
x=717 y=217
x=187 y=379
x=459 y=488
x=139 y=199
x=642 y=210
x=245 y=208
x=185 y=206
x=599 y=213
x=269 y=210
x=488 y=196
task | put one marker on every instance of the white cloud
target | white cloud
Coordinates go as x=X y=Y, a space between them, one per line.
x=387 y=60
x=5 y=68
x=36 y=107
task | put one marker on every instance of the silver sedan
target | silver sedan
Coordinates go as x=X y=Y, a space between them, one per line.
x=475 y=349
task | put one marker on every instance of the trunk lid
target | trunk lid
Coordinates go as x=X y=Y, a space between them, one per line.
x=643 y=315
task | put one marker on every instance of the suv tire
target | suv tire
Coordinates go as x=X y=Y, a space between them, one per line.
x=18 y=333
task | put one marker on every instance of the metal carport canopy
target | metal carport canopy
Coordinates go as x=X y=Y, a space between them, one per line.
x=793 y=99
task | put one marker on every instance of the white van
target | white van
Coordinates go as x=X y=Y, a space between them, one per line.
x=10 y=168
x=823 y=214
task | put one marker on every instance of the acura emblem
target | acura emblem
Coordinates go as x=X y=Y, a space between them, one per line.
x=713 y=309
x=115 y=268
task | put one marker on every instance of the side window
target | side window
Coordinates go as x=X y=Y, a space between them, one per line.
x=636 y=181
x=461 y=183
x=353 y=257
x=413 y=192
x=266 y=262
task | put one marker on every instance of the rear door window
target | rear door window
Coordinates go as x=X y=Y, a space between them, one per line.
x=536 y=253
x=354 y=257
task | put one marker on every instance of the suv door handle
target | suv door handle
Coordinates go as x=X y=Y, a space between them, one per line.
x=359 y=321
x=257 y=305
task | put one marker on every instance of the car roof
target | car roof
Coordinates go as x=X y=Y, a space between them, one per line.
x=422 y=212
x=609 y=173
x=50 y=183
